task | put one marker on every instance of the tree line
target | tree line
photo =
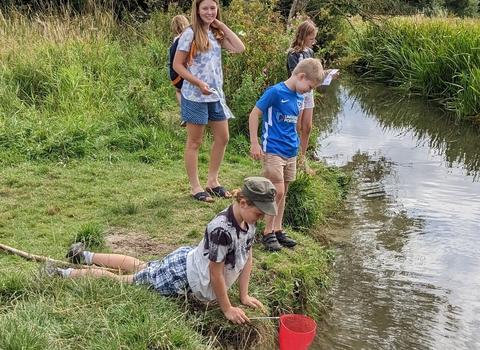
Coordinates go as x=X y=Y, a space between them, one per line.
x=288 y=8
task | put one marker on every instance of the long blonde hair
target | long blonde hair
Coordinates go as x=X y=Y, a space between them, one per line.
x=178 y=24
x=305 y=29
x=201 y=38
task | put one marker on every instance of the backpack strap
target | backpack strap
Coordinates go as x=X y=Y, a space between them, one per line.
x=192 y=52
x=176 y=80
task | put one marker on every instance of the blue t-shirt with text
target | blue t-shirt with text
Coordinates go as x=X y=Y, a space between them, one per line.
x=280 y=107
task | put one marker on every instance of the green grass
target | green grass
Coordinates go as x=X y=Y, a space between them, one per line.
x=46 y=208
x=91 y=314
x=91 y=150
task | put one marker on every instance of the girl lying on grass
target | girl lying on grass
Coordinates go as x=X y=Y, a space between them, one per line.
x=208 y=270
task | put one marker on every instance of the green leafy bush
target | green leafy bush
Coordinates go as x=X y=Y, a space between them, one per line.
x=248 y=74
x=309 y=202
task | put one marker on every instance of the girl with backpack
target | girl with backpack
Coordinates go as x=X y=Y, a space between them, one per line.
x=199 y=106
x=178 y=25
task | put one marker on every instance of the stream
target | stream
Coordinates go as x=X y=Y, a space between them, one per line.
x=407 y=267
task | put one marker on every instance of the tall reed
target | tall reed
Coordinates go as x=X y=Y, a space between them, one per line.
x=437 y=58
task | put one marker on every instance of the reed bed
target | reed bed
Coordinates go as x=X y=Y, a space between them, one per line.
x=437 y=58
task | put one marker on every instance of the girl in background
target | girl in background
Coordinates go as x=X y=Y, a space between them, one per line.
x=300 y=49
x=178 y=25
x=199 y=105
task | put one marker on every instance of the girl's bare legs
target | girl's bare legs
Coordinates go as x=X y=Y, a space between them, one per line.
x=220 y=139
x=178 y=94
x=304 y=128
x=194 y=141
x=299 y=123
x=118 y=261
x=100 y=273
x=115 y=261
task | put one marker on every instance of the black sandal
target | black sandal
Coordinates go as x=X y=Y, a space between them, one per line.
x=202 y=197
x=218 y=191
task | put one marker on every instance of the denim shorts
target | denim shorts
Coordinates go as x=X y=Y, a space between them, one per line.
x=202 y=112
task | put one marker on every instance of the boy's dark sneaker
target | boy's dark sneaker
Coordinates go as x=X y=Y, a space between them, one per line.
x=75 y=253
x=285 y=240
x=270 y=242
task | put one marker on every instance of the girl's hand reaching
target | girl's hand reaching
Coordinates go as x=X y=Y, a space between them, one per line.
x=236 y=315
x=334 y=76
x=253 y=302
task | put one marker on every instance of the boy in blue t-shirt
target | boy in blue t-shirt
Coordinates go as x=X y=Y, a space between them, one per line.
x=279 y=107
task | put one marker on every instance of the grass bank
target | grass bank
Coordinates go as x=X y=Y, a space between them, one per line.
x=436 y=58
x=144 y=210
x=90 y=149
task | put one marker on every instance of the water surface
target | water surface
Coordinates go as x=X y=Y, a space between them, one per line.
x=407 y=273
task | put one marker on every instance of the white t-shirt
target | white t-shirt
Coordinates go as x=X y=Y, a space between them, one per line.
x=224 y=241
x=207 y=66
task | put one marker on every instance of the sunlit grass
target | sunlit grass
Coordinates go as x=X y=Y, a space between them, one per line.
x=72 y=85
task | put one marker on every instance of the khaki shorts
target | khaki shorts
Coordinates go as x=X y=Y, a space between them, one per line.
x=279 y=169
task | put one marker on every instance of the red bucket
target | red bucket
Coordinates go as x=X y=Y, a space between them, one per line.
x=296 y=332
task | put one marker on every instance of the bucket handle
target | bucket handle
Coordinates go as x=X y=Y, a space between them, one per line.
x=264 y=318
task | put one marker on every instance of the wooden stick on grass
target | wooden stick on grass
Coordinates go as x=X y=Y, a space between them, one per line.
x=41 y=258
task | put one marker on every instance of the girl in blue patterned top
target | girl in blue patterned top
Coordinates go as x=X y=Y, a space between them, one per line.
x=199 y=105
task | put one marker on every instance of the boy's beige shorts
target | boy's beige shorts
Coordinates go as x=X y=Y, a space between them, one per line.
x=279 y=169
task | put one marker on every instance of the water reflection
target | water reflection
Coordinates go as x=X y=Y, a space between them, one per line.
x=457 y=140
x=407 y=273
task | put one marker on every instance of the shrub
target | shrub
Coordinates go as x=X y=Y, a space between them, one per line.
x=309 y=202
x=263 y=62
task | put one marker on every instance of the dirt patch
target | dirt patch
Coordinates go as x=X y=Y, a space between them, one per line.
x=137 y=244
